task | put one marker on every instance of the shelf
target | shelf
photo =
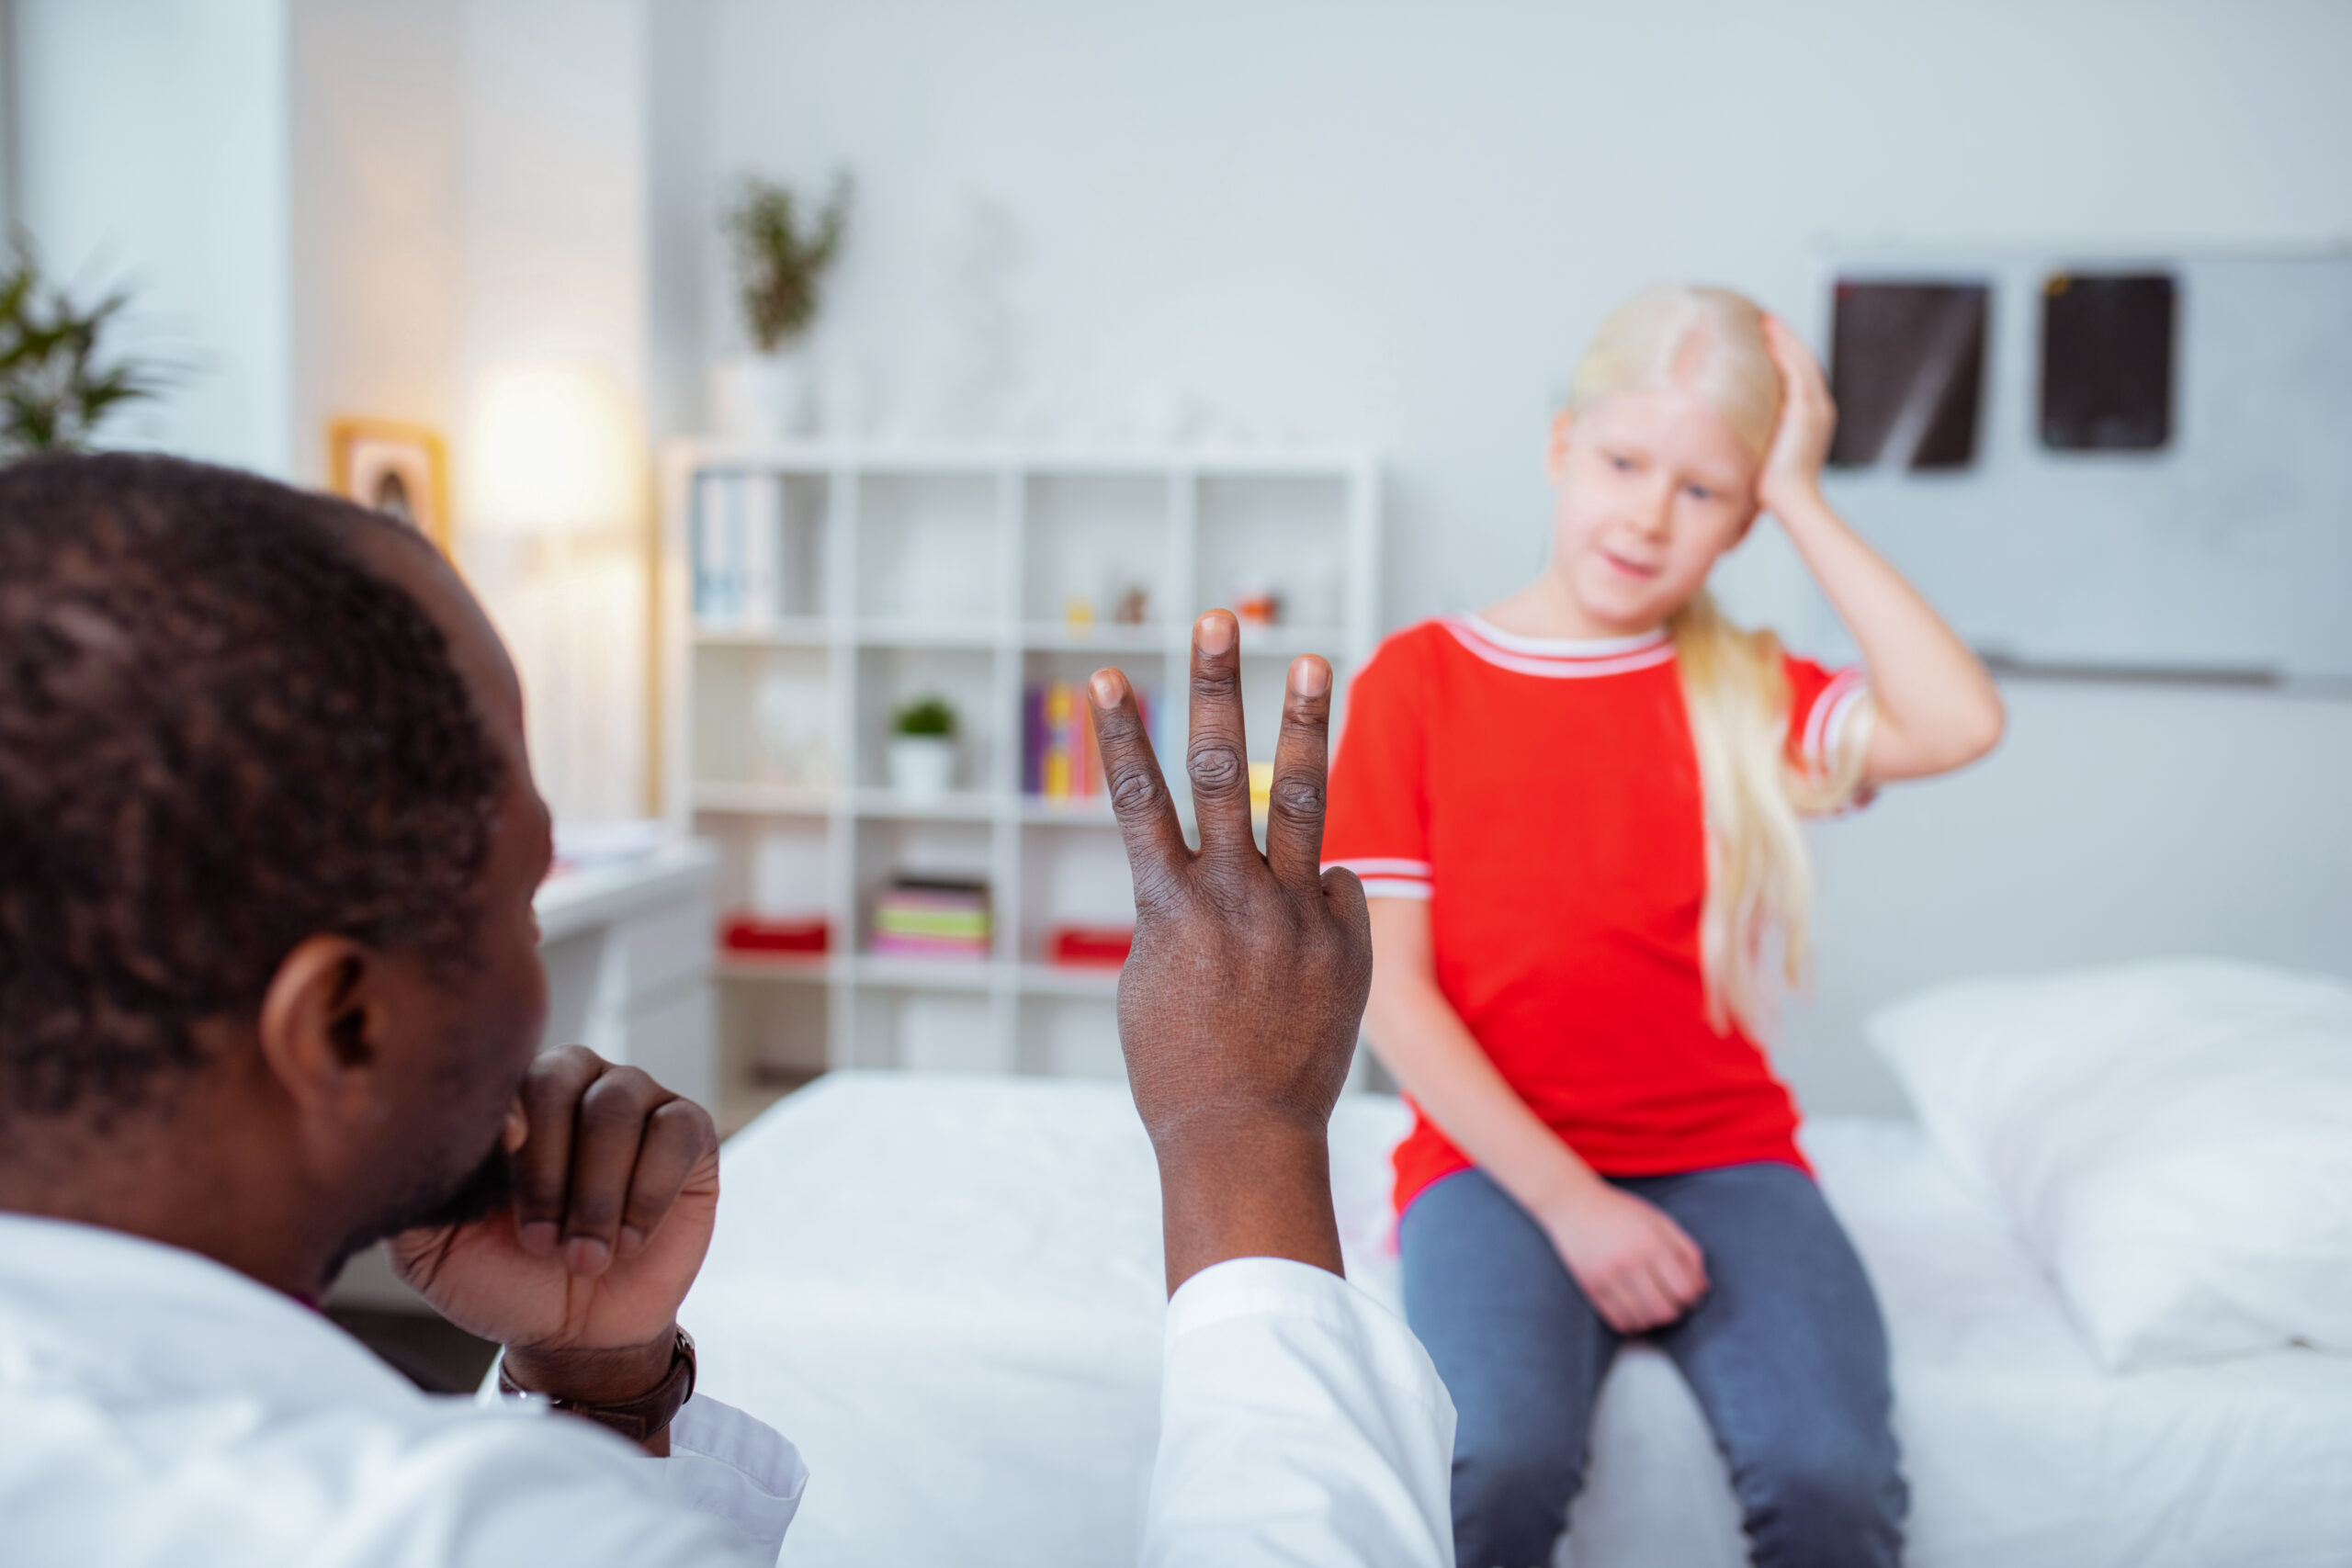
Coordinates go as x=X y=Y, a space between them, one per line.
x=1067 y=980
x=1289 y=642
x=758 y=799
x=924 y=974
x=1051 y=637
x=979 y=456
x=946 y=567
x=812 y=968
x=924 y=634
x=963 y=806
x=1091 y=812
x=799 y=632
x=919 y=974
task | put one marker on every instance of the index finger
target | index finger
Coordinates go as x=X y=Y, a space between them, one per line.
x=1139 y=799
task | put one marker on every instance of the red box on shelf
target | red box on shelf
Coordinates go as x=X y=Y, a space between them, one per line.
x=809 y=936
x=1091 y=946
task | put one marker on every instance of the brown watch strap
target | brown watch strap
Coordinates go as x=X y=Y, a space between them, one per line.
x=636 y=1419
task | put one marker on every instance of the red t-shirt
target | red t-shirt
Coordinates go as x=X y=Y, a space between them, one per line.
x=1543 y=797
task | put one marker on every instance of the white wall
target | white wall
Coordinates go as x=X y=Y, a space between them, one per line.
x=2117 y=822
x=359 y=207
x=154 y=154
x=377 y=200
x=553 y=269
x=1397 y=222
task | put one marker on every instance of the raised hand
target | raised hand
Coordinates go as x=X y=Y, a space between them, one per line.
x=615 y=1186
x=1239 y=1005
x=1792 y=471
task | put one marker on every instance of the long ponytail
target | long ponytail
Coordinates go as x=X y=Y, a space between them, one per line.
x=1760 y=878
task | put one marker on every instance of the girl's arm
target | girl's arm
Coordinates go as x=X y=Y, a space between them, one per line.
x=1938 y=709
x=1634 y=1264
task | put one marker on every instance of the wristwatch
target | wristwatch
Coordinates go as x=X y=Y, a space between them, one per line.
x=636 y=1419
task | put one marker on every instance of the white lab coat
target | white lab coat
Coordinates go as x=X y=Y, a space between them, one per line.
x=158 y=1408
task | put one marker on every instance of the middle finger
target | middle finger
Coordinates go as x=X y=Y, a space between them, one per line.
x=1217 y=760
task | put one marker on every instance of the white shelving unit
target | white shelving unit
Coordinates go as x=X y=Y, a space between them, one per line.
x=904 y=571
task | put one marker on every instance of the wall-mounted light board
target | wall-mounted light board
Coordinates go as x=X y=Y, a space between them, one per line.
x=2157 y=480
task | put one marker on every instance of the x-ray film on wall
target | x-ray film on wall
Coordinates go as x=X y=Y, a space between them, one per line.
x=1906 y=365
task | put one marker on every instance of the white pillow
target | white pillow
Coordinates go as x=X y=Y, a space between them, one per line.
x=2172 y=1141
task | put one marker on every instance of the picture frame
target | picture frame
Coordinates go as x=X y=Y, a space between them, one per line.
x=393 y=466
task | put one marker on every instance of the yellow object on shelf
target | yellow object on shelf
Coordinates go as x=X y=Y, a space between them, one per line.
x=1262 y=789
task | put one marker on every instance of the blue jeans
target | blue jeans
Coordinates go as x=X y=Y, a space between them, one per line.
x=1785 y=1353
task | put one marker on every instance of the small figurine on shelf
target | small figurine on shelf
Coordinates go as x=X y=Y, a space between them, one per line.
x=1259 y=607
x=922 y=749
x=1133 y=607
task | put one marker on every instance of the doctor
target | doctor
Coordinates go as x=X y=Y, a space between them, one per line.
x=269 y=990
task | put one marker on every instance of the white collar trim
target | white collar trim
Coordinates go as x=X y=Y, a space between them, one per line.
x=1562 y=658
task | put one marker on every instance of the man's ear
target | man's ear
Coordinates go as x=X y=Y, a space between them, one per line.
x=322 y=1026
x=1556 y=450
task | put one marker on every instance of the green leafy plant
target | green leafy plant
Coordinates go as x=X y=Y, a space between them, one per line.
x=925 y=715
x=54 y=388
x=778 y=263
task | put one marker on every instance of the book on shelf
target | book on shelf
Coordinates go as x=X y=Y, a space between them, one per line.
x=735 y=543
x=1061 y=760
x=921 y=916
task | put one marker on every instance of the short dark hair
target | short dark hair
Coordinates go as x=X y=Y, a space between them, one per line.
x=221 y=733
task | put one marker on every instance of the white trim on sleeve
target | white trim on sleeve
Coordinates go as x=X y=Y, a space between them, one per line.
x=1824 y=726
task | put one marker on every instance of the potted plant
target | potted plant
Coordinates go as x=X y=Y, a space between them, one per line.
x=54 y=391
x=779 y=262
x=922 y=749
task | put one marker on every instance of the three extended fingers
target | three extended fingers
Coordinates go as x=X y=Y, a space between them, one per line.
x=1216 y=764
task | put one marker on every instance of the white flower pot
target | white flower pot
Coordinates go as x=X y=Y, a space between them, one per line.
x=922 y=767
x=760 y=397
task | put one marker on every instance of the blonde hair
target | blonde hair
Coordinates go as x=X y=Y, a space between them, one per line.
x=1759 y=879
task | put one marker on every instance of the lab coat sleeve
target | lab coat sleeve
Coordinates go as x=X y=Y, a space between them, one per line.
x=1300 y=1423
x=723 y=1464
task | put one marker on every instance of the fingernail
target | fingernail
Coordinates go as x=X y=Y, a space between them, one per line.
x=1309 y=676
x=1105 y=686
x=1213 y=632
x=539 y=1238
x=631 y=1239
x=586 y=1254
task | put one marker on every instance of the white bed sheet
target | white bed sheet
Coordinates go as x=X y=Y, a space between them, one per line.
x=949 y=1292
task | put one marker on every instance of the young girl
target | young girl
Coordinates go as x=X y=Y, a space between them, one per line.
x=1576 y=815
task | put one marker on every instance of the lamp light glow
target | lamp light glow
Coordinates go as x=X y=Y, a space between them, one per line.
x=554 y=451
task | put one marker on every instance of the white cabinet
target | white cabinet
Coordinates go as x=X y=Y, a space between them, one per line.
x=628 y=946
x=809 y=591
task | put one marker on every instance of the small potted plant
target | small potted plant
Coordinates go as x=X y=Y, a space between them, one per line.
x=922 y=749
x=779 y=262
x=54 y=390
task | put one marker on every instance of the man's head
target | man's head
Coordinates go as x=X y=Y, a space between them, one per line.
x=268 y=843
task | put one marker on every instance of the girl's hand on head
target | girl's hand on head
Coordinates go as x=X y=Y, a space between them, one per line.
x=1638 y=1268
x=1791 y=473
